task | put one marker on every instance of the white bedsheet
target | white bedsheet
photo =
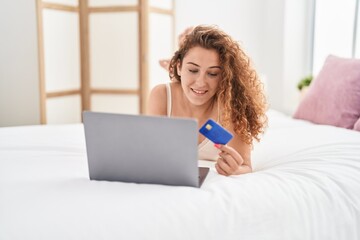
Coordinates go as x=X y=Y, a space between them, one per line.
x=305 y=185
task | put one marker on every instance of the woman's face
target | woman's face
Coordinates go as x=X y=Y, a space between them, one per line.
x=200 y=75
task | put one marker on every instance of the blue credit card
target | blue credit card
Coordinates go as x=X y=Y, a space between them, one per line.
x=215 y=132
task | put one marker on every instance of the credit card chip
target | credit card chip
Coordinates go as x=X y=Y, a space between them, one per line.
x=208 y=127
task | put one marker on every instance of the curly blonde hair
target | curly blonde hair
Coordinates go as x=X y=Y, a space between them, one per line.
x=240 y=90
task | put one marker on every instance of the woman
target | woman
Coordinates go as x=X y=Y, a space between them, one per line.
x=211 y=77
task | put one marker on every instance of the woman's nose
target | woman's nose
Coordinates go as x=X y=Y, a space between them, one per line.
x=201 y=79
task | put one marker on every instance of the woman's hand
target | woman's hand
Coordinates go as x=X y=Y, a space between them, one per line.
x=181 y=37
x=230 y=162
x=164 y=63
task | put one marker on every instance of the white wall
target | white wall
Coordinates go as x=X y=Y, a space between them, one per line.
x=272 y=51
x=274 y=33
x=19 y=77
x=297 y=50
x=242 y=19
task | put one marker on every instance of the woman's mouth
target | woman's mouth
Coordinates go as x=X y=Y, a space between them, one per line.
x=199 y=92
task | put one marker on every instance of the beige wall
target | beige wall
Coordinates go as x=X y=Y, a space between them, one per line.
x=19 y=74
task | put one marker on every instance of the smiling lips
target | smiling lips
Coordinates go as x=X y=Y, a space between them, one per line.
x=199 y=92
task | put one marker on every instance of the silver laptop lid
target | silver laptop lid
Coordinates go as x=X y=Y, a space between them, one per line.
x=141 y=149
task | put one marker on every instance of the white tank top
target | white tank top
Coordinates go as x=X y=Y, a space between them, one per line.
x=206 y=149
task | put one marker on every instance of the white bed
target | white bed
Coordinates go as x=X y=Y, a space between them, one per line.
x=305 y=185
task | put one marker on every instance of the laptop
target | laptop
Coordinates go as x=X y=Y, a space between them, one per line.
x=142 y=149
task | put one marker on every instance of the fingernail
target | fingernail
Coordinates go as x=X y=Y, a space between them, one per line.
x=217 y=145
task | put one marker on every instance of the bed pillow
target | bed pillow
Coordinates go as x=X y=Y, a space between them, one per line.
x=333 y=98
x=357 y=125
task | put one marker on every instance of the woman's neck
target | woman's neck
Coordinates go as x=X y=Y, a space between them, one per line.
x=201 y=112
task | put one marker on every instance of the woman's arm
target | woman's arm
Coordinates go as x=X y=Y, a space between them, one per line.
x=157 y=103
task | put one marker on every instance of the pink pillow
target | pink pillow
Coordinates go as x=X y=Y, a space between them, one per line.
x=357 y=125
x=333 y=98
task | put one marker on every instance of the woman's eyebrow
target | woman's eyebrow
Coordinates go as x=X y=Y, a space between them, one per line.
x=192 y=63
x=215 y=67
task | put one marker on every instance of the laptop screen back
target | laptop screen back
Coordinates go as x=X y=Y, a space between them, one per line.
x=141 y=149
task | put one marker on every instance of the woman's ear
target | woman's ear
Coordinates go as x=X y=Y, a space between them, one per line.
x=178 y=67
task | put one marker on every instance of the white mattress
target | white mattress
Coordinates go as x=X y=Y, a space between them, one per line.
x=305 y=185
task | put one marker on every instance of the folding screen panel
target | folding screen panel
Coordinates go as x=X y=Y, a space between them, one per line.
x=62 y=2
x=101 y=55
x=62 y=66
x=112 y=3
x=63 y=109
x=114 y=61
x=116 y=103
x=59 y=54
x=61 y=48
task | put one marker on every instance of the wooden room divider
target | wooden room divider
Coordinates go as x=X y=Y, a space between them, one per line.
x=101 y=55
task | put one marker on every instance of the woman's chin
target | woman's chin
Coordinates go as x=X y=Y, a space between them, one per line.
x=199 y=101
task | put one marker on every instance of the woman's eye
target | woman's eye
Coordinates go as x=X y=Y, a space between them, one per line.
x=212 y=74
x=193 y=70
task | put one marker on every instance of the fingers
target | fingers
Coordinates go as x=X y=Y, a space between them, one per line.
x=229 y=161
x=226 y=166
x=225 y=149
x=188 y=29
x=181 y=37
x=220 y=170
x=164 y=63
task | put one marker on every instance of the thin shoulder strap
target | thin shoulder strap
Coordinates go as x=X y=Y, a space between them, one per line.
x=168 y=94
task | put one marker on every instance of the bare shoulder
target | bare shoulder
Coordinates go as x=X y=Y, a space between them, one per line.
x=157 y=103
